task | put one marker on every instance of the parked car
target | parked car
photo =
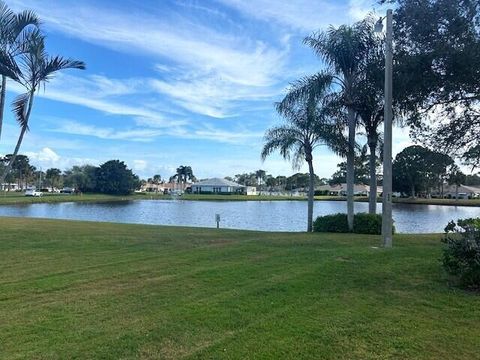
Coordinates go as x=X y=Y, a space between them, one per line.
x=33 y=192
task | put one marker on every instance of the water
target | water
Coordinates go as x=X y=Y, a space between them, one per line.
x=251 y=215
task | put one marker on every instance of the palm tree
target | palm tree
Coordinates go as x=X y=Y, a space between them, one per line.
x=33 y=69
x=307 y=126
x=260 y=176
x=343 y=50
x=13 y=34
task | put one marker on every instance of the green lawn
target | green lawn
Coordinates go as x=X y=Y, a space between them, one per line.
x=79 y=290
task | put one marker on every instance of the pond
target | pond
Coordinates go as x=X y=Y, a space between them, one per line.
x=251 y=215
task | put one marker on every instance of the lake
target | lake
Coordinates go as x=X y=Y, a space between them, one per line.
x=250 y=215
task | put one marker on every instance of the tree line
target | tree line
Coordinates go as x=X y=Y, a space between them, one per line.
x=112 y=177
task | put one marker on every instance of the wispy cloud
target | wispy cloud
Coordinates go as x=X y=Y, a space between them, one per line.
x=302 y=15
x=146 y=134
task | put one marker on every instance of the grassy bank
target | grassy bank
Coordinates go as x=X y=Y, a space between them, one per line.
x=95 y=290
x=19 y=198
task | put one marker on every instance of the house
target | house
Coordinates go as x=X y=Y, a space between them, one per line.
x=9 y=187
x=463 y=191
x=341 y=189
x=220 y=186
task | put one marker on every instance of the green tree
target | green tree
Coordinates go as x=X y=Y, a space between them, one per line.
x=13 y=34
x=113 y=177
x=456 y=177
x=437 y=73
x=183 y=174
x=53 y=177
x=32 y=70
x=260 y=176
x=157 y=179
x=306 y=127
x=82 y=178
x=362 y=169
x=418 y=169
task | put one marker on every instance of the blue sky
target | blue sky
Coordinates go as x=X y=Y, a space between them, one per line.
x=173 y=82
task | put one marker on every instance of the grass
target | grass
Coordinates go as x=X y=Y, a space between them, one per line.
x=81 y=290
x=19 y=198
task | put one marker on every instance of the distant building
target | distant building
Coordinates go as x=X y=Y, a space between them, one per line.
x=9 y=187
x=341 y=189
x=221 y=186
x=463 y=191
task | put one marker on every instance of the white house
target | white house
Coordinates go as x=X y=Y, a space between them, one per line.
x=218 y=186
x=463 y=191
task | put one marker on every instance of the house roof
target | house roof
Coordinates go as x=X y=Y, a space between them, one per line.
x=343 y=187
x=217 y=182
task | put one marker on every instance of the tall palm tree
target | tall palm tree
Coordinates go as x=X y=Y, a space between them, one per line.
x=307 y=126
x=343 y=50
x=33 y=69
x=13 y=34
x=260 y=176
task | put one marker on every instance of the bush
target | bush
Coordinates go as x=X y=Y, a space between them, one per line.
x=363 y=223
x=331 y=223
x=461 y=255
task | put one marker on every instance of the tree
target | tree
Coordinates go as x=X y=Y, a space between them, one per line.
x=260 y=175
x=184 y=173
x=437 y=69
x=53 y=177
x=456 y=177
x=156 y=179
x=32 y=70
x=82 y=178
x=418 y=169
x=362 y=170
x=13 y=34
x=306 y=127
x=113 y=177
x=344 y=50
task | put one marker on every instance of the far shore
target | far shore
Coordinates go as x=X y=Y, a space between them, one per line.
x=12 y=198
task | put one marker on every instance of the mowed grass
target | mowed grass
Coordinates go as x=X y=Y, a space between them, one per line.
x=82 y=290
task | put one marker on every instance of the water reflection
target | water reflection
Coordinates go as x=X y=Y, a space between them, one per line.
x=252 y=215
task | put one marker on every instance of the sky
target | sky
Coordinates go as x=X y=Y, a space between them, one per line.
x=174 y=82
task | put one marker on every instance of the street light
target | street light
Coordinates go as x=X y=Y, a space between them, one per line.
x=387 y=221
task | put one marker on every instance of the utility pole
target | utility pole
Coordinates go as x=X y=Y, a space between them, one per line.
x=387 y=220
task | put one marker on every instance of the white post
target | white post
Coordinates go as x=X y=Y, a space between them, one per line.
x=387 y=221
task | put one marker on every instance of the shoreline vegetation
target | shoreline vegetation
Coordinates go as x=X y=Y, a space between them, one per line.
x=105 y=290
x=13 y=198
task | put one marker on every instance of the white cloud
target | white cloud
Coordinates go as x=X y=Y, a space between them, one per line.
x=145 y=134
x=304 y=15
x=139 y=165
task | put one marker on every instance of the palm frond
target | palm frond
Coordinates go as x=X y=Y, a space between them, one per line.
x=281 y=138
x=9 y=67
x=58 y=63
x=19 y=108
x=316 y=85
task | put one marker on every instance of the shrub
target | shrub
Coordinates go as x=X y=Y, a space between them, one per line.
x=363 y=223
x=461 y=255
x=331 y=223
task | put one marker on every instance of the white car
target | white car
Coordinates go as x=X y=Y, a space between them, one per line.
x=33 y=193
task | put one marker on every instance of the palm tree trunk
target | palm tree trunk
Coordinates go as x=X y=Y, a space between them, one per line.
x=20 y=138
x=350 y=167
x=2 y=102
x=311 y=190
x=372 y=201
